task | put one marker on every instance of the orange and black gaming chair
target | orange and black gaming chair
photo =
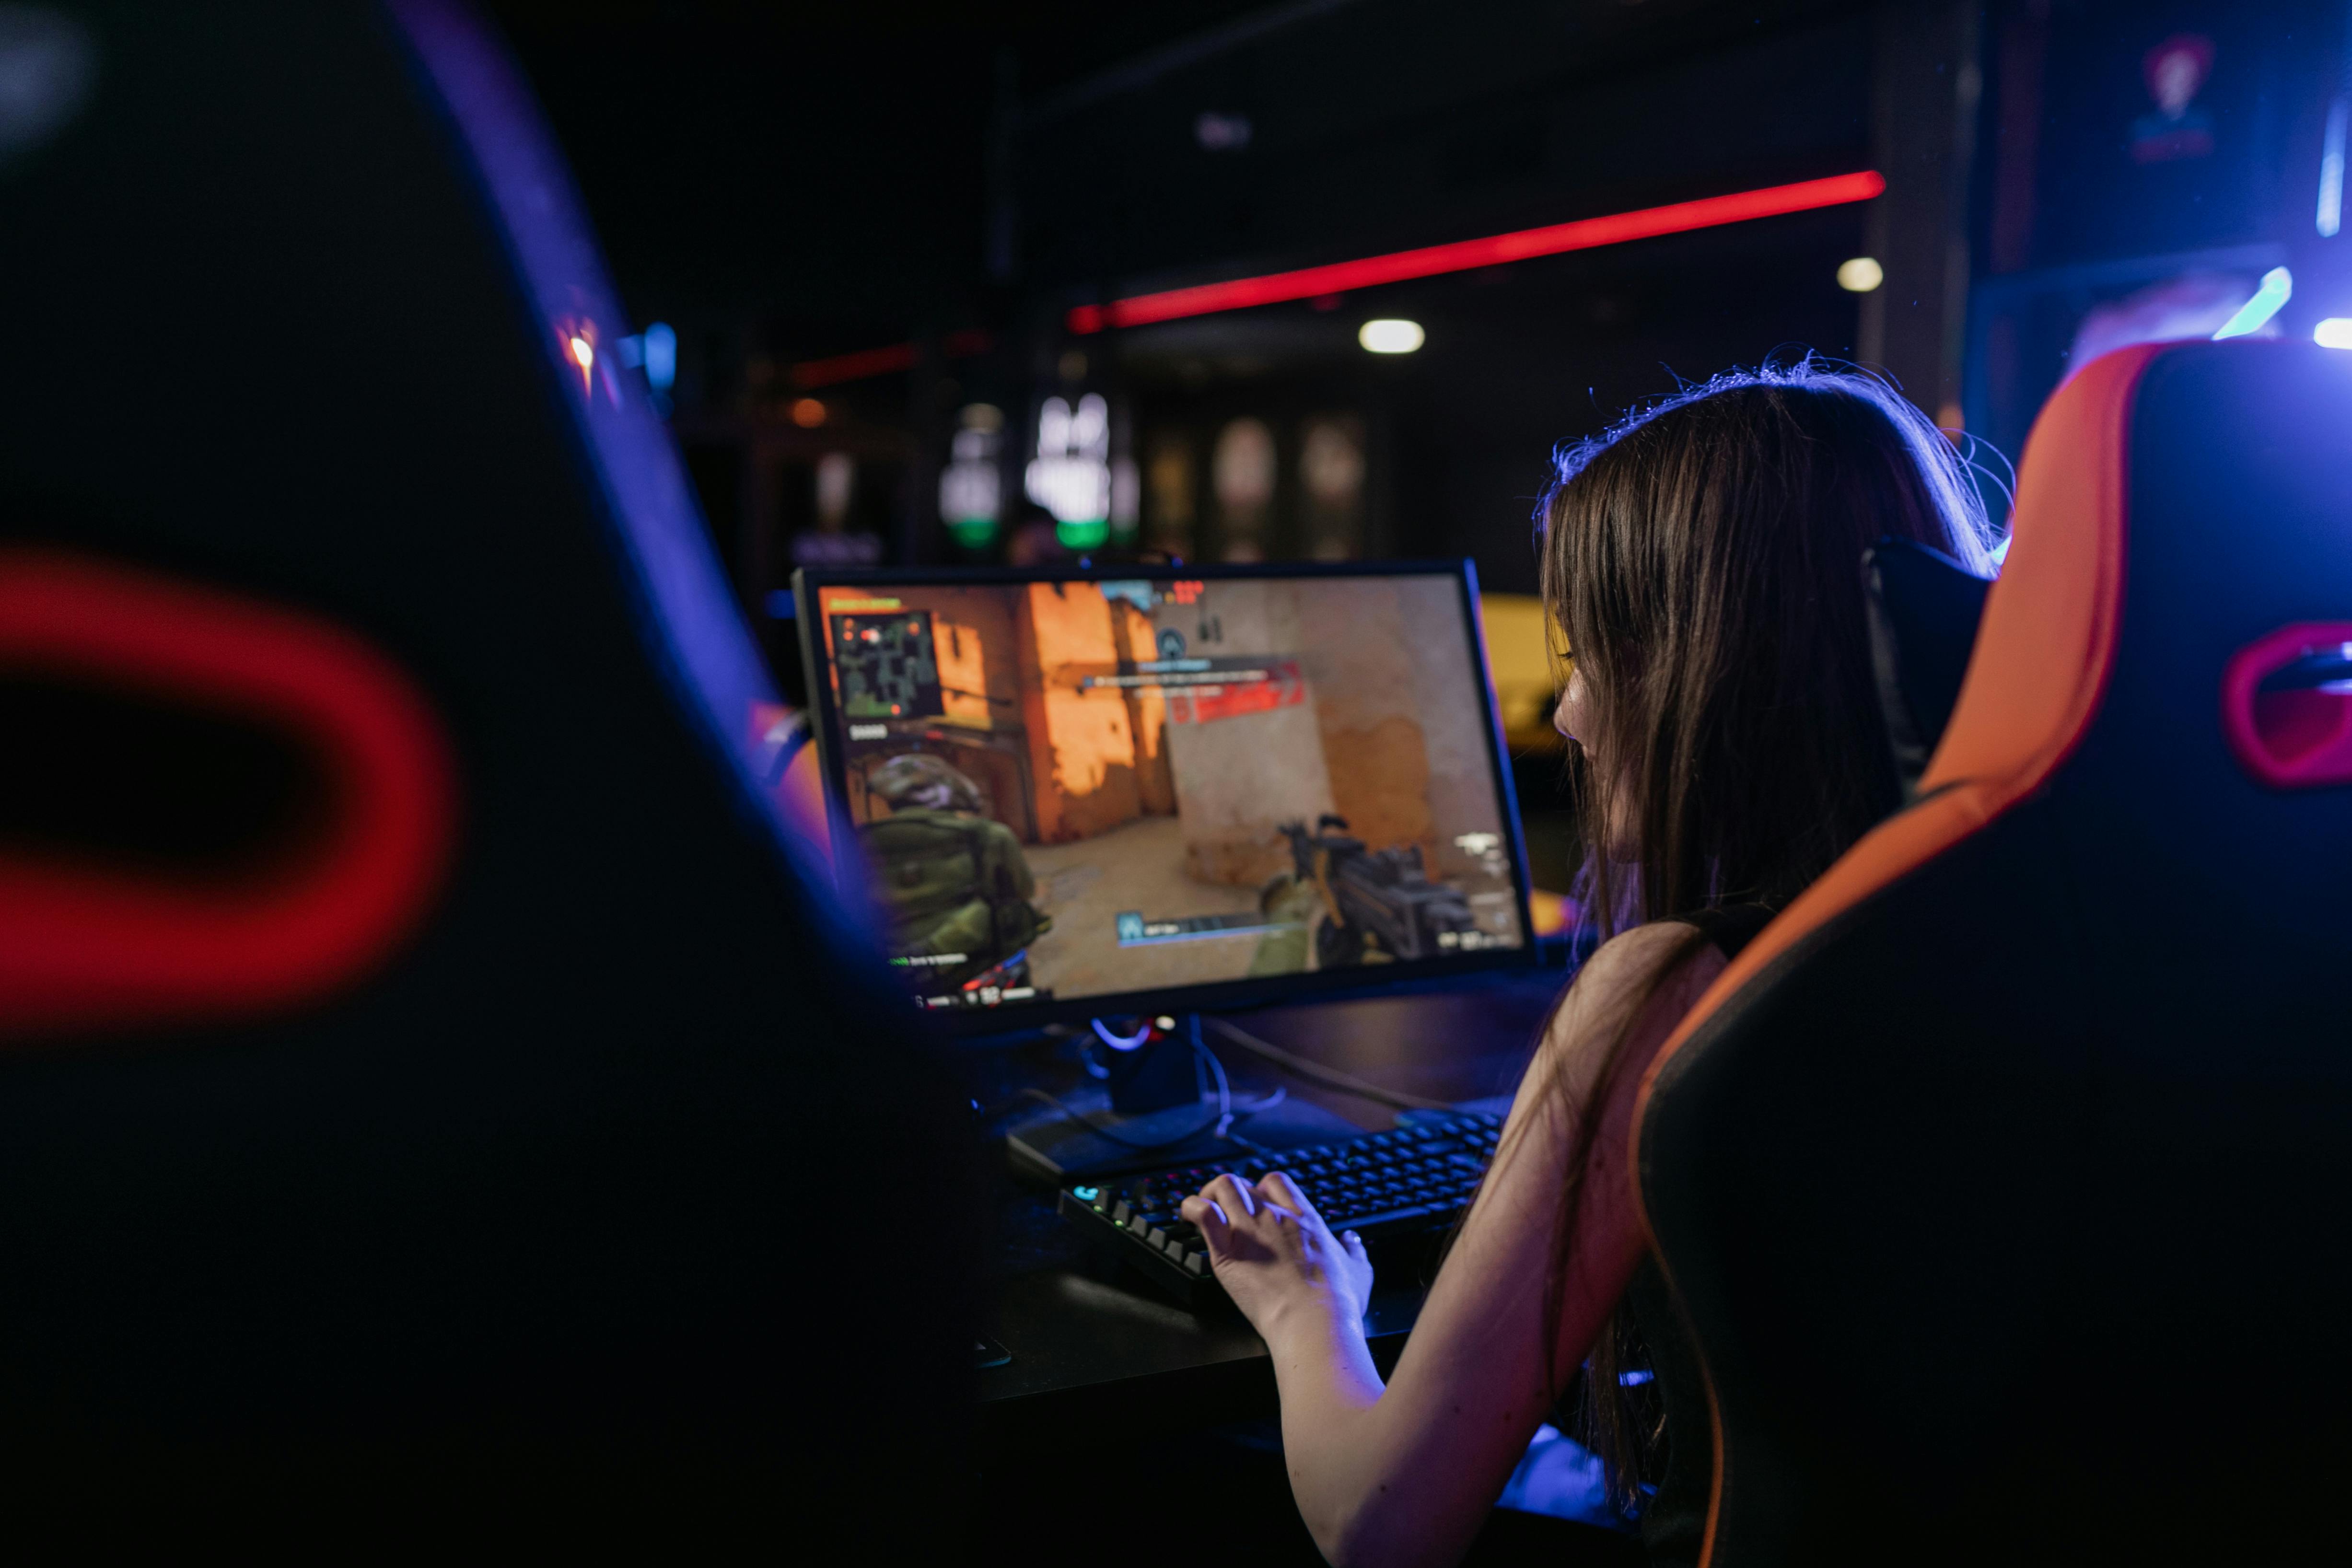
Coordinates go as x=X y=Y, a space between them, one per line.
x=429 y=1076
x=2006 y=1178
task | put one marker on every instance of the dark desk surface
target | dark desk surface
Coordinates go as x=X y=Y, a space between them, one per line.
x=1094 y=1348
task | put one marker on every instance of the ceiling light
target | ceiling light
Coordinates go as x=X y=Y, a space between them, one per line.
x=1391 y=335
x=1861 y=274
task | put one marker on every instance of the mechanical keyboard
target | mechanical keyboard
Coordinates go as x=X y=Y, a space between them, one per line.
x=1414 y=1177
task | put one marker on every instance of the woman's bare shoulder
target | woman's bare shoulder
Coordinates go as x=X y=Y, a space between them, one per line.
x=1633 y=962
x=1630 y=971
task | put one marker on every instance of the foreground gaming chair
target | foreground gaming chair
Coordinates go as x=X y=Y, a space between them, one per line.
x=427 y=1076
x=2007 y=1177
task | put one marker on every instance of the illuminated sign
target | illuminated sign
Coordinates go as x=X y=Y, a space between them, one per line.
x=1070 y=475
x=971 y=497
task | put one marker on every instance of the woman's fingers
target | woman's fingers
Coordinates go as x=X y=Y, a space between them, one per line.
x=1199 y=1210
x=1240 y=1200
x=1279 y=1188
x=1209 y=1218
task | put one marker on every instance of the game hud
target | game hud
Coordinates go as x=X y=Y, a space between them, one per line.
x=1069 y=790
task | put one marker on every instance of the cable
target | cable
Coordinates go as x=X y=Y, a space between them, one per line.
x=1224 y=1085
x=1228 y=1109
x=1120 y=1042
x=1096 y=1124
x=1330 y=1077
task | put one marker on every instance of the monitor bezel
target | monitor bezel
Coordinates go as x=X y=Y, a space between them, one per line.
x=1215 y=996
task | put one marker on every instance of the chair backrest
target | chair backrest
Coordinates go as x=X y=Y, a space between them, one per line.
x=421 y=1046
x=2006 y=1178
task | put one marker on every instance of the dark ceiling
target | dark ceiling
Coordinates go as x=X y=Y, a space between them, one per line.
x=823 y=170
x=822 y=164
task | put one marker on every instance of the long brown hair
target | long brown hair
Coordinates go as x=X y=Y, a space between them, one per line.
x=1703 y=561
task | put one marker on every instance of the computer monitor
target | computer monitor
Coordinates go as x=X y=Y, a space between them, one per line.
x=1144 y=790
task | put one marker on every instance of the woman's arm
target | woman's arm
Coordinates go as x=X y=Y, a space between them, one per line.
x=1405 y=1474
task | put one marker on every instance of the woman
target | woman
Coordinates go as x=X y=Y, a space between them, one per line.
x=1703 y=561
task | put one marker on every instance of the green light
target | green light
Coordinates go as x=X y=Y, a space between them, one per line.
x=973 y=533
x=1083 y=535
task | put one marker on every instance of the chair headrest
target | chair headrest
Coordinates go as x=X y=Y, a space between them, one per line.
x=1923 y=607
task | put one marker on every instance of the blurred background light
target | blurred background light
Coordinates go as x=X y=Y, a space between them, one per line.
x=972 y=493
x=2335 y=332
x=2330 y=216
x=836 y=481
x=660 y=350
x=1391 y=335
x=808 y=413
x=2277 y=288
x=580 y=348
x=1861 y=274
x=1070 y=475
x=1222 y=132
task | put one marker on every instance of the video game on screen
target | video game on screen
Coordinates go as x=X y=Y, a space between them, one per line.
x=1075 y=788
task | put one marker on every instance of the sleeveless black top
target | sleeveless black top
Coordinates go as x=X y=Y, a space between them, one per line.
x=1673 y=1518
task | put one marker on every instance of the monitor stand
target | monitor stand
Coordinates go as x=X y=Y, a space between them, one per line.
x=1157 y=1091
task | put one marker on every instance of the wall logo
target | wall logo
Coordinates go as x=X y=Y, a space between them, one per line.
x=2177 y=71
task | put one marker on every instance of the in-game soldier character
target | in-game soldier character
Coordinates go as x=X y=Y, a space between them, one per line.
x=952 y=881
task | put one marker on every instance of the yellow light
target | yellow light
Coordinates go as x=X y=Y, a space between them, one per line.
x=1390 y=337
x=808 y=413
x=1861 y=274
x=575 y=340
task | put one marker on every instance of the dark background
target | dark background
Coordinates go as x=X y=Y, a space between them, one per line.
x=787 y=183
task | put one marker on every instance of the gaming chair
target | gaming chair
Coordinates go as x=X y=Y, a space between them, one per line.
x=2006 y=1178
x=430 y=1079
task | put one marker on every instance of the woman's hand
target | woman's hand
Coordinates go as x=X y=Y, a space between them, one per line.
x=1275 y=1256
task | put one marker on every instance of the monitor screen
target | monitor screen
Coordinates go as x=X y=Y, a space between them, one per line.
x=1165 y=790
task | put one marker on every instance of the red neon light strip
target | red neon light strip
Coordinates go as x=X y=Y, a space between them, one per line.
x=1462 y=255
x=854 y=366
x=868 y=363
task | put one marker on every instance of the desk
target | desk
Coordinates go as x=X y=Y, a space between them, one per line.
x=1099 y=1353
